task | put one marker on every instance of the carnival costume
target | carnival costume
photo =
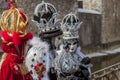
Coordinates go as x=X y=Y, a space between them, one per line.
x=42 y=52
x=14 y=38
x=69 y=62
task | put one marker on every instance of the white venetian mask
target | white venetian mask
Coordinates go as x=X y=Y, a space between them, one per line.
x=72 y=45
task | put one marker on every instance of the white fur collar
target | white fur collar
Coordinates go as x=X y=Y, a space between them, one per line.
x=36 y=41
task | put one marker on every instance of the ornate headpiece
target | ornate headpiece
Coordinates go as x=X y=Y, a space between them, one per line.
x=45 y=16
x=14 y=20
x=13 y=23
x=70 y=25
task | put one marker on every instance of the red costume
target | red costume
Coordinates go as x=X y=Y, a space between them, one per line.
x=13 y=45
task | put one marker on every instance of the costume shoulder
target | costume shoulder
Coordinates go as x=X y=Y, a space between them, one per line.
x=36 y=54
x=37 y=50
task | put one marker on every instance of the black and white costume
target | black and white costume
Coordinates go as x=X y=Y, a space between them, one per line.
x=45 y=16
x=71 y=63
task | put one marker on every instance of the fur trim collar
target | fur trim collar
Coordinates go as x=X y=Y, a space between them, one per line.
x=36 y=41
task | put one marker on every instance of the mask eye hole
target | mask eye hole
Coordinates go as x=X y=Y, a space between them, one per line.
x=74 y=43
x=58 y=38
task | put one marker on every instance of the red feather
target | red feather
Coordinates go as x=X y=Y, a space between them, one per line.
x=5 y=35
x=30 y=35
x=16 y=38
x=27 y=36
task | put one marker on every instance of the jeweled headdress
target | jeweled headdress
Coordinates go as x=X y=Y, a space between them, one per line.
x=13 y=19
x=45 y=16
x=70 y=25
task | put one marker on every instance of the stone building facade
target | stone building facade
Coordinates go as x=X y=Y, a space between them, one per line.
x=110 y=21
x=92 y=4
x=108 y=26
x=90 y=30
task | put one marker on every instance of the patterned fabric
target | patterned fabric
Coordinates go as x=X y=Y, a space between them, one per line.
x=36 y=55
x=68 y=66
x=40 y=53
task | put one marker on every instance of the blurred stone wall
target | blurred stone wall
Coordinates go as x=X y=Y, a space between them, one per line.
x=92 y=4
x=104 y=29
x=110 y=21
x=90 y=30
x=110 y=18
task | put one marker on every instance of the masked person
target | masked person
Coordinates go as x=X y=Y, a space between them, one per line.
x=71 y=63
x=41 y=55
x=14 y=37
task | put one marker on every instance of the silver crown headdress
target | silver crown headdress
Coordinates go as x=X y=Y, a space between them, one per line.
x=70 y=25
x=45 y=16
